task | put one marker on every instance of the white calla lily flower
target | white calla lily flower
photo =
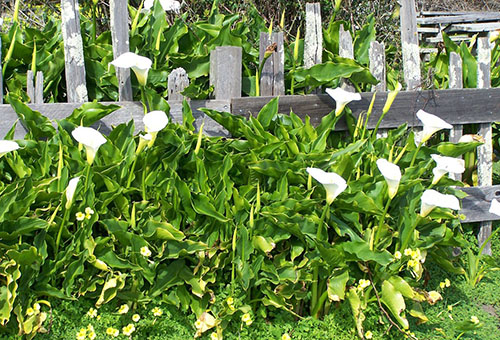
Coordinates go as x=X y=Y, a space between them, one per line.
x=432 y=124
x=445 y=165
x=495 y=207
x=154 y=121
x=342 y=98
x=431 y=199
x=392 y=175
x=167 y=5
x=140 y=65
x=91 y=139
x=70 y=191
x=333 y=183
x=7 y=146
x=143 y=141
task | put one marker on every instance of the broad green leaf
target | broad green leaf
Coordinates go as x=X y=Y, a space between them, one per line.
x=394 y=301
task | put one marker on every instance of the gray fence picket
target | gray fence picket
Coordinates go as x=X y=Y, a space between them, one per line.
x=409 y=43
x=272 y=80
x=39 y=88
x=455 y=82
x=1 y=78
x=346 y=50
x=178 y=80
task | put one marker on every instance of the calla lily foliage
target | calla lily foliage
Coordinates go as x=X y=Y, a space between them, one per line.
x=241 y=217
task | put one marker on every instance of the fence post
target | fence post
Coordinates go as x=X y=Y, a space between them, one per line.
x=485 y=151
x=409 y=42
x=313 y=40
x=39 y=88
x=376 y=54
x=272 y=79
x=1 y=68
x=455 y=82
x=177 y=81
x=30 y=88
x=76 y=86
x=119 y=35
x=346 y=50
x=225 y=71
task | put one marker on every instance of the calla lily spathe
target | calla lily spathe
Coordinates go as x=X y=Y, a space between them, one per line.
x=70 y=191
x=167 y=5
x=390 y=98
x=140 y=65
x=333 y=183
x=495 y=207
x=342 y=98
x=432 y=124
x=91 y=139
x=392 y=175
x=431 y=199
x=445 y=165
x=143 y=141
x=154 y=121
x=7 y=146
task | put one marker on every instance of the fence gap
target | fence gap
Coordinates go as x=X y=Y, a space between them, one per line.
x=119 y=35
x=76 y=86
x=346 y=50
x=225 y=71
x=272 y=79
x=455 y=82
x=177 y=81
x=1 y=78
x=409 y=43
x=485 y=151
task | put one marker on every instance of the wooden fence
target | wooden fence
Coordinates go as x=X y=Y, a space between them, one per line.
x=456 y=105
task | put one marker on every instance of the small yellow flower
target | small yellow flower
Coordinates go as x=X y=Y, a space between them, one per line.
x=363 y=284
x=80 y=216
x=157 y=311
x=368 y=335
x=90 y=328
x=136 y=317
x=230 y=303
x=412 y=263
x=407 y=252
x=214 y=336
x=247 y=319
x=198 y=324
x=81 y=334
x=123 y=309
x=397 y=255
x=442 y=285
x=36 y=307
x=447 y=282
x=416 y=255
x=92 y=313
x=112 y=332
x=128 y=330
x=92 y=335
x=145 y=251
x=30 y=311
x=89 y=211
x=474 y=320
x=450 y=308
x=286 y=337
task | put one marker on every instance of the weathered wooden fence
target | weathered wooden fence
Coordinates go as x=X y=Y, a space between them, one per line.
x=456 y=105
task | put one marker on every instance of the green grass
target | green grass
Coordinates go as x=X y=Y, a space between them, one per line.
x=483 y=301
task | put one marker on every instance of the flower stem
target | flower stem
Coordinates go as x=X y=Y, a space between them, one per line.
x=314 y=298
x=87 y=175
x=59 y=233
x=131 y=173
x=415 y=154
x=144 y=100
x=380 y=223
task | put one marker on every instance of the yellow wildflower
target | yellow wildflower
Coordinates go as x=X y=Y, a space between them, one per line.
x=407 y=252
x=81 y=334
x=92 y=313
x=286 y=337
x=157 y=311
x=474 y=320
x=112 y=332
x=136 y=317
x=145 y=251
x=363 y=284
x=30 y=311
x=450 y=308
x=247 y=319
x=397 y=255
x=442 y=285
x=198 y=324
x=447 y=282
x=123 y=309
x=128 y=330
x=89 y=211
x=230 y=303
x=368 y=335
x=434 y=297
x=214 y=336
x=80 y=216
x=36 y=307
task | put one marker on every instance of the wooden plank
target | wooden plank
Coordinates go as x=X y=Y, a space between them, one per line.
x=39 y=88
x=119 y=35
x=441 y=13
x=225 y=71
x=346 y=50
x=1 y=78
x=313 y=41
x=431 y=30
x=485 y=151
x=30 y=87
x=128 y=110
x=409 y=42
x=377 y=65
x=76 y=86
x=439 y=38
x=476 y=28
x=272 y=80
x=178 y=80
x=454 y=106
x=476 y=206
x=455 y=82
x=455 y=19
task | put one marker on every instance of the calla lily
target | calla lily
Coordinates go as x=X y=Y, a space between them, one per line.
x=154 y=121
x=445 y=165
x=7 y=146
x=140 y=65
x=390 y=98
x=431 y=199
x=333 y=183
x=392 y=175
x=431 y=124
x=471 y=139
x=91 y=139
x=494 y=35
x=495 y=207
x=70 y=191
x=168 y=5
x=143 y=141
x=342 y=98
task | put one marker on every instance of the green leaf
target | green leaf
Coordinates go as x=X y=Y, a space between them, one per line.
x=361 y=250
x=393 y=299
x=337 y=284
x=202 y=205
x=89 y=113
x=38 y=126
x=268 y=112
